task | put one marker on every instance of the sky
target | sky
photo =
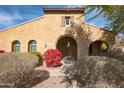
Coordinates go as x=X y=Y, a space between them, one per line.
x=11 y=15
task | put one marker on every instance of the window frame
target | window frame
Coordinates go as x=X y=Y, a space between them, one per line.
x=69 y=19
x=17 y=48
x=16 y=45
x=32 y=46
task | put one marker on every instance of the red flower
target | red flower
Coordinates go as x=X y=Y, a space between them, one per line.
x=2 y=51
x=52 y=57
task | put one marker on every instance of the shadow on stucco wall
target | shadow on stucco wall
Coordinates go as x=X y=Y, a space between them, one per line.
x=84 y=35
x=109 y=38
x=81 y=36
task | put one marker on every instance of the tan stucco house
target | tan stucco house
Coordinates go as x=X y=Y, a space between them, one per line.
x=61 y=28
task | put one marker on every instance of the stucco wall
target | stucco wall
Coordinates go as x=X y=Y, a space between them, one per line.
x=99 y=34
x=47 y=30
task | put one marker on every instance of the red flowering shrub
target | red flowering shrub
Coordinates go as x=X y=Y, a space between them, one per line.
x=52 y=57
x=2 y=51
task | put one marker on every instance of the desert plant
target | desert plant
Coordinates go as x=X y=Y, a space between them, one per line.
x=15 y=67
x=95 y=71
x=117 y=54
x=52 y=57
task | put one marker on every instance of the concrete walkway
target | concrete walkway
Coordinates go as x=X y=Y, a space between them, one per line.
x=55 y=79
x=56 y=75
x=53 y=72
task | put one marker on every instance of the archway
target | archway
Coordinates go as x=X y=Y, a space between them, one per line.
x=98 y=48
x=67 y=46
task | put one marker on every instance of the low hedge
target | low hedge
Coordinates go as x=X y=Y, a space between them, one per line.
x=15 y=67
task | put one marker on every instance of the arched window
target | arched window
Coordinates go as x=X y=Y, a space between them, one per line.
x=16 y=46
x=32 y=46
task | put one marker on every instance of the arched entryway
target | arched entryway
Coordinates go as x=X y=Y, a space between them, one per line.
x=98 y=48
x=68 y=47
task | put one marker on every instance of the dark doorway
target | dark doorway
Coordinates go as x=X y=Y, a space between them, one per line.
x=67 y=46
x=98 y=48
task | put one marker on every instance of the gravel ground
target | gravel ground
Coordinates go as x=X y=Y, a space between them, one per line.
x=53 y=72
x=55 y=80
x=52 y=82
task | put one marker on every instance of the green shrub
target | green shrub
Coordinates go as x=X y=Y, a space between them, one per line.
x=15 y=67
x=38 y=54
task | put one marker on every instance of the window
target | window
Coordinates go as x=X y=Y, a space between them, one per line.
x=67 y=20
x=16 y=46
x=32 y=46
